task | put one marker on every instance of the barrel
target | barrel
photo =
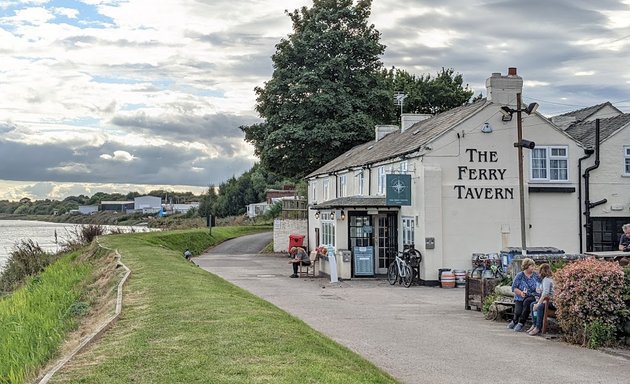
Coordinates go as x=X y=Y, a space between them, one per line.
x=460 y=278
x=448 y=279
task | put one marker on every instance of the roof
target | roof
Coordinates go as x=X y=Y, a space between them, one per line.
x=117 y=202
x=397 y=144
x=354 y=202
x=584 y=113
x=584 y=132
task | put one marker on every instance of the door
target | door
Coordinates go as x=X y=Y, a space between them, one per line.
x=387 y=241
x=605 y=233
x=361 y=240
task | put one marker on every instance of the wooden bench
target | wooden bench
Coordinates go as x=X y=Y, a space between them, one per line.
x=549 y=313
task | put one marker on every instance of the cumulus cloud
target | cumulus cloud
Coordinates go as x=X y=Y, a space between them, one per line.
x=118 y=156
x=146 y=91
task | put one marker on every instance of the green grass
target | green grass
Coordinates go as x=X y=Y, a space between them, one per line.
x=181 y=324
x=35 y=318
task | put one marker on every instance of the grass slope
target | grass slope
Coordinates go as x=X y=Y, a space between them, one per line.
x=181 y=324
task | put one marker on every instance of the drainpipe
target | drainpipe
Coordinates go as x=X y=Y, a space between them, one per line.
x=587 y=203
x=587 y=152
x=369 y=168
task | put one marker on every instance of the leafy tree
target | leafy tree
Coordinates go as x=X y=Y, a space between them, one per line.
x=327 y=91
x=426 y=94
x=207 y=201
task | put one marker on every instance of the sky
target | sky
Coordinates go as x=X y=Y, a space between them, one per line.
x=135 y=95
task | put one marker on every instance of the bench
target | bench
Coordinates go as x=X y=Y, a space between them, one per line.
x=549 y=313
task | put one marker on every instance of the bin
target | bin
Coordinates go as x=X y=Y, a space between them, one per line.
x=295 y=241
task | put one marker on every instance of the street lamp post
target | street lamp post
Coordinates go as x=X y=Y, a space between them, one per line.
x=520 y=144
x=521 y=181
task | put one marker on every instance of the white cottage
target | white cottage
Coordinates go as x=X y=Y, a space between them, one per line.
x=450 y=185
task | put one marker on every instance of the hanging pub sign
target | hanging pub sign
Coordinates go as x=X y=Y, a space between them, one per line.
x=398 y=191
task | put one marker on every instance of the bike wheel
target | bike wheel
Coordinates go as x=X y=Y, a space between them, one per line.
x=407 y=279
x=392 y=273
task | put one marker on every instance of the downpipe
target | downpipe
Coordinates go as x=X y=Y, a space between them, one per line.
x=587 y=202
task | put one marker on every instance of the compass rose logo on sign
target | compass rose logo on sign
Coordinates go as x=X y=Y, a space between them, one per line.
x=398 y=189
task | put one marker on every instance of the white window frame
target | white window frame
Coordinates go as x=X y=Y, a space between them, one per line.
x=328 y=228
x=404 y=167
x=326 y=189
x=360 y=182
x=550 y=157
x=626 y=158
x=408 y=230
x=381 y=180
x=314 y=190
x=343 y=185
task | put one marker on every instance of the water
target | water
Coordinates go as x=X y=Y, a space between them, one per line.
x=42 y=233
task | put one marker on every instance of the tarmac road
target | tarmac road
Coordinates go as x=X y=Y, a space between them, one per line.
x=417 y=334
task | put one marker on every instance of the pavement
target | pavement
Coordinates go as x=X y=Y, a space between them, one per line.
x=418 y=334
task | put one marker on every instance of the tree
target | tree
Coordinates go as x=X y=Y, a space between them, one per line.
x=327 y=91
x=207 y=201
x=426 y=94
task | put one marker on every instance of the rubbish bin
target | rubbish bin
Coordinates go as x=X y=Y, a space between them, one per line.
x=295 y=241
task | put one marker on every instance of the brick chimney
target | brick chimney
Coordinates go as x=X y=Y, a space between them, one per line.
x=384 y=130
x=502 y=90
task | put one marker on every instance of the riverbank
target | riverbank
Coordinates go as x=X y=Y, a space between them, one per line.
x=182 y=324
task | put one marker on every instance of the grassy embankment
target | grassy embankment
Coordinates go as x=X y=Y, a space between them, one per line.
x=181 y=324
x=35 y=318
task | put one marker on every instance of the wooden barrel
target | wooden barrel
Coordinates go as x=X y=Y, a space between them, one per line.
x=460 y=278
x=448 y=279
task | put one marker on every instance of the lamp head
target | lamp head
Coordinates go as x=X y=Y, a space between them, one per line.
x=531 y=108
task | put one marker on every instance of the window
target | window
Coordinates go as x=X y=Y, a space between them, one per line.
x=381 y=180
x=326 y=195
x=328 y=229
x=343 y=185
x=360 y=183
x=549 y=163
x=314 y=190
x=408 y=225
x=626 y=153
x=404 y=166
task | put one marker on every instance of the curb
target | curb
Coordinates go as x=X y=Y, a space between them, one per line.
x=100 y=329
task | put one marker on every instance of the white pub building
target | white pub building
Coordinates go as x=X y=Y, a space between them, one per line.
x=449 y=184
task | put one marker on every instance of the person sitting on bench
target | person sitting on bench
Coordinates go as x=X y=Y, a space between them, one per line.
x=538 y=308
x=524 y=288
x=299 y=256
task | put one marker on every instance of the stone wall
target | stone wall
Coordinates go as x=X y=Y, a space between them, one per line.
x=282 y=228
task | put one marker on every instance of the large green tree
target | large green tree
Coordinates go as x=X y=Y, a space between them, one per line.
x=327 y=90
x=428 y=94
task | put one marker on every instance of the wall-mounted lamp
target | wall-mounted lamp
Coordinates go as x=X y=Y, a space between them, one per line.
x=507 y=112
x=486 y=128
x=332 y=215
x=343 y=215
x=317 y=215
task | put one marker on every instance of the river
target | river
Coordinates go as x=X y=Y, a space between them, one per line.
x=42 y=233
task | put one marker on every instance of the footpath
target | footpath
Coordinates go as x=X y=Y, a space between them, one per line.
x=417 y=334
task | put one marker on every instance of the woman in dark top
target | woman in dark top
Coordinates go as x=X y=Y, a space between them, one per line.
x=524 y=288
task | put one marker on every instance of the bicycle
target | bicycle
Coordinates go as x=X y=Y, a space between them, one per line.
x=405 y=267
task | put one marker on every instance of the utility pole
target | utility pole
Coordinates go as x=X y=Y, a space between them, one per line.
x=521 y=182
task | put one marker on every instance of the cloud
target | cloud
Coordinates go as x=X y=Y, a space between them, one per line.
x=119 y=156
x=149 y=91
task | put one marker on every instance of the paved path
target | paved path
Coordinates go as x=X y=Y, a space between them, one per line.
x=417 y=334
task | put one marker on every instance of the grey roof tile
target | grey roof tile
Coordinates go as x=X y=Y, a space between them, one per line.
x=584 y=132
x=353 y=202
x=399 y=143
x=584 y=113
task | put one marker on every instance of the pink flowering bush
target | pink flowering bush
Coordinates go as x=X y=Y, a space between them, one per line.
x=586 y=292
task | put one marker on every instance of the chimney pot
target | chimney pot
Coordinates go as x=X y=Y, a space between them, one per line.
x=512 y=71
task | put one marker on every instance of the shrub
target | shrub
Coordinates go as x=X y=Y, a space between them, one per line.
x=26 y=259
x=599 y=334
x=626 y=284
x=588 y=292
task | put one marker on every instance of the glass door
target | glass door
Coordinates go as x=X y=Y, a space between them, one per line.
x=387 y=246
x=361 y=244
